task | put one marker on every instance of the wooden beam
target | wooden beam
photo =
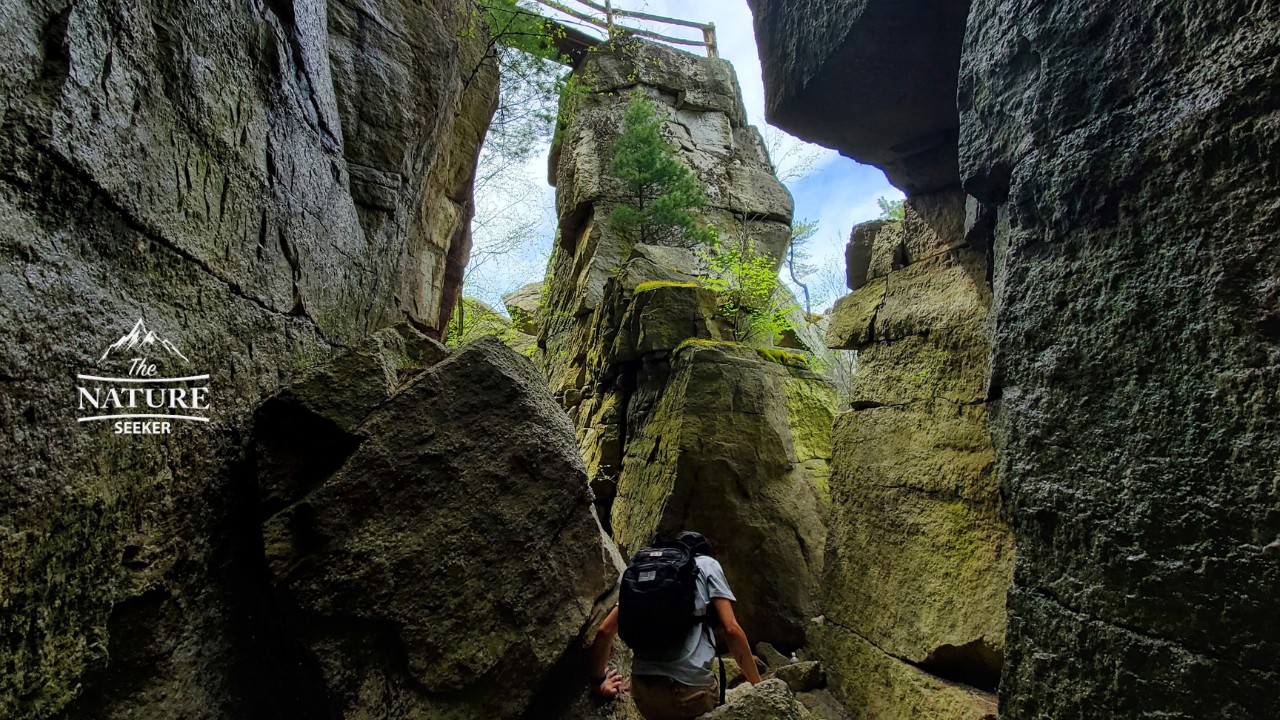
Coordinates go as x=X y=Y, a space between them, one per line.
x=664 y=38
x=708 y=40
x=574 y=13
x=643 y=15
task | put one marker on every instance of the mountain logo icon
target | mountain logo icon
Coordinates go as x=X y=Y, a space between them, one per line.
x=140 y=338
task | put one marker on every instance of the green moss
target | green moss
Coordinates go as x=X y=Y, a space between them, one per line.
x=308 y=358
x=699 y=342
x=655 y=284
x=784 y=357
x=773 y=355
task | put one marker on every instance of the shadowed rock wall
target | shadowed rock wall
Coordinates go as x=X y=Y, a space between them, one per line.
x=1131 y=151
x=262 y=182
x=1119 y=158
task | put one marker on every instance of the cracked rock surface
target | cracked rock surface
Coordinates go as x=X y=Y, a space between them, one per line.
x=1135 y=362
x=1120 y=159
x=450 y=563
x=918 y=555
x=262 y=182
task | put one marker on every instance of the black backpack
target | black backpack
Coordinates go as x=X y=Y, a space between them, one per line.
x=659 y=592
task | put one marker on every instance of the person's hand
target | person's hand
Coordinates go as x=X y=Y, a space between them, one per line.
x=610 y=686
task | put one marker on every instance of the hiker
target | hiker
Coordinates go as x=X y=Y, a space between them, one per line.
x=674 y=647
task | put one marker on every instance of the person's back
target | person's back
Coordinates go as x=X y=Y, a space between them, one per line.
x=678 y=683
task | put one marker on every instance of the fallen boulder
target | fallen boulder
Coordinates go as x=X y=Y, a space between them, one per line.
x=454 y=558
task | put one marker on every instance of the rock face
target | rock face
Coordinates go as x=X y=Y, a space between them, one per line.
x=438 y=573
x=478 y=320
x=733 y=445
x=684 y=436
x=262 y=182
x=1117 y=158
x=706 y=122
x=918 y=556
x=904 y=100
x=524 y=306
x=1137 y=413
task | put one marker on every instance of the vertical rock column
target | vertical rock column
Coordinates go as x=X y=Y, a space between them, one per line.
x=918 y=557
x=680 y=427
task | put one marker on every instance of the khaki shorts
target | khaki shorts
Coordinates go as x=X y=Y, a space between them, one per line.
x=661 y=698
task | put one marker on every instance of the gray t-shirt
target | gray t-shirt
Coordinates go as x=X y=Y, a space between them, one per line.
x=692 y=665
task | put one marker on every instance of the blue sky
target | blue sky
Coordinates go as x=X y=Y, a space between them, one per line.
x=837 y=192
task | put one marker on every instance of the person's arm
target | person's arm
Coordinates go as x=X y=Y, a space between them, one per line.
x=605 y=681
x=739 y=647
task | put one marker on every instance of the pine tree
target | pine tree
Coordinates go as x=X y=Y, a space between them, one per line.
x=659 y=191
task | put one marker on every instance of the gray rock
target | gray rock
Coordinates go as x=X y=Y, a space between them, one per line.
x=1138 y=417
x=822 y=705
x=418 y=598
x=919 y=558
x=875 y=79
x=802 y=676
x=523 y=305
x=1132 y=323
x=706 y=123
x=770 y=700
x=252 y=179
x=771 y=656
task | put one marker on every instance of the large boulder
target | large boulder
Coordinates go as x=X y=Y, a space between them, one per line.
x=722 y=452
x=264 y=183
x=1130 y=152
x=454 y=558
x=770 y=700
x=874 y=79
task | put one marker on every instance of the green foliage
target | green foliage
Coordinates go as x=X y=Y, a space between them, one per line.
x=509 y=36
x=891 y=209
x=570 y=94
x=517 y=25
x=532 y=73
x=659 y=191
x=746 y=285
x=474 y=319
